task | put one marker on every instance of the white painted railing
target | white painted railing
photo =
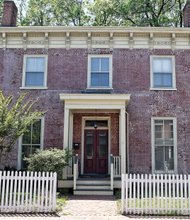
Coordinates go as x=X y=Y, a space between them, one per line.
x=27 y=192
x=156 y=194
x=117 y=166
x=111 y=172
x=75 y=172
x=70 y=168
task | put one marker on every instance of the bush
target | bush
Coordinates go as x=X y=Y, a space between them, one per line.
x=51 y=160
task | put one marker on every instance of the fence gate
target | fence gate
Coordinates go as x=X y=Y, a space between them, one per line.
x=156 y=194
x=27 y=192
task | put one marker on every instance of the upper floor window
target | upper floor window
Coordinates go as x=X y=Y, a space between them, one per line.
x=100 y=71
x=163 y=72
x=164 y=144
x=35 y=71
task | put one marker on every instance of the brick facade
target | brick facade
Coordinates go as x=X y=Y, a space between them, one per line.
x=67 y=73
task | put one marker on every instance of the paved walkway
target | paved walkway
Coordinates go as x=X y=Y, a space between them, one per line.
x=91 y=206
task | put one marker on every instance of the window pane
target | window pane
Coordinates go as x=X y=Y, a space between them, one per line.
x=157 y=79
x=35 y=64
x=36 y=132
x=169 y=157
x=34 y=79
x=95 y=79
x=26 y=151
x=157 y=65
x=159 y=158
x=166 y=65
x=26 y=138
x=95 y=63
x=105 y=79
x=105 y=64
x=35 y=148
x=167 y=79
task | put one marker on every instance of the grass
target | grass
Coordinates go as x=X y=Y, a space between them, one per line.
x=61 y=201
x=157 y=203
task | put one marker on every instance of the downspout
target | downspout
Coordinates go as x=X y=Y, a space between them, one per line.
x=127 y=114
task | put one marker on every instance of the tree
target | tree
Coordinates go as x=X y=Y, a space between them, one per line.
x=1 y=9
x=55 y=12
x=15 y=117
x=104 y=13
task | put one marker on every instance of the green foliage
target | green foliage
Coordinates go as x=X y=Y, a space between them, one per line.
x=1 y=9
x=15 y=117
x=52 y=160
x=102 y=12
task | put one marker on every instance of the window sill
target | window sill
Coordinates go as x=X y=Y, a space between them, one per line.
x=99 y=88
x=163 y=172
x=166 y=89
x=34 y=88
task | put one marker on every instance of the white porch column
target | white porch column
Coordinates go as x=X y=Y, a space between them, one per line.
x=70 y=130
x=122 y=138
x=66 y=128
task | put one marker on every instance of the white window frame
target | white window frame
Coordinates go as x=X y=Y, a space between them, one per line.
x=24 y=72
x=19 y=162
x=153 y=142
x=89 y=71
x=173 y=73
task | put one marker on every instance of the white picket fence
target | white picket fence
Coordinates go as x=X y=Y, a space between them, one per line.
x=156 y=194
x=22 y=192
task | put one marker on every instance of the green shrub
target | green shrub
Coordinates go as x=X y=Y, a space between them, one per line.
x=51 y=160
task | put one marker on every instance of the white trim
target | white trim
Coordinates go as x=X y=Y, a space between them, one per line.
x=173 y=73
x=27 y=88
x=24 y=72
x=19 y=158
x=89 y=71
x=98 y=118
x=174 y=137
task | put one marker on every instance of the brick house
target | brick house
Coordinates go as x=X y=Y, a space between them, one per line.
x=107 y=91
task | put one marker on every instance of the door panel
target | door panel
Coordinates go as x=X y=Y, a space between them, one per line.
x=102 y=151
x=96 y=151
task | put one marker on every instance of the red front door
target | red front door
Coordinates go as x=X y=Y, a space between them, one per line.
x=96 y=151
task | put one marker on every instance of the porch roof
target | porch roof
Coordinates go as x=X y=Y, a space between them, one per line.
x=93 y=100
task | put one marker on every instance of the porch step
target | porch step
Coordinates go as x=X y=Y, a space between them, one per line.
x=105 y=192
x=93 y=186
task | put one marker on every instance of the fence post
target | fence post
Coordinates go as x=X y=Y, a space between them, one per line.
x=54 y=191
x=123 y=177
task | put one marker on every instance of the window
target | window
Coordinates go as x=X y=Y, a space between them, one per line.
x=164 y=145
x=35 y=71
x=100 y=72
x=162 y=72
x=31 y=141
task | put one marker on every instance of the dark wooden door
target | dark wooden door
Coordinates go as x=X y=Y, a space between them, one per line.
x=96 y=151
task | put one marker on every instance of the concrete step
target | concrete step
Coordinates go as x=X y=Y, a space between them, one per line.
x=94 y=182
x=93 y=186
x=102 y=192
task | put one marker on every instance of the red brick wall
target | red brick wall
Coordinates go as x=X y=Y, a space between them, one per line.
x=67 y=73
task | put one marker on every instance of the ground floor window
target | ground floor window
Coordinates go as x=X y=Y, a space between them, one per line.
x=31 y=141
x=164 y=144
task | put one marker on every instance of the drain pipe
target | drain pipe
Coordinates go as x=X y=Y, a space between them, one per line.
x=127 y=114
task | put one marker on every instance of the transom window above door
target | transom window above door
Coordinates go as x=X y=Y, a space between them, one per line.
x=35 y=72
x=100 y=71
x=163 y=72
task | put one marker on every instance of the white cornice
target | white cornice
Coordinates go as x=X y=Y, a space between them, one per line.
x=94 y=37
x=121 y=29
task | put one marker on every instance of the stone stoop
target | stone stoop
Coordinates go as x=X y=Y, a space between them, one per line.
x=93 y=187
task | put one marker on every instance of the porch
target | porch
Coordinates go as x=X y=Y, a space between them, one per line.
x=95 y=129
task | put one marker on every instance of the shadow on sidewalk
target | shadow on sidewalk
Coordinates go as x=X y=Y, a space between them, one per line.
x=46 y=215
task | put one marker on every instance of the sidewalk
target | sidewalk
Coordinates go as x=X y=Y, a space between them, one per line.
x=85 y=208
